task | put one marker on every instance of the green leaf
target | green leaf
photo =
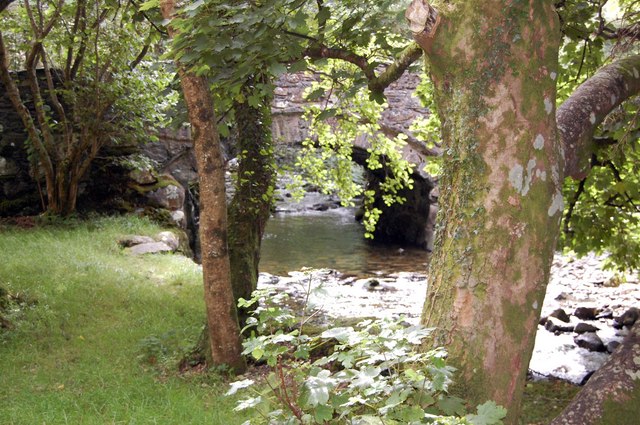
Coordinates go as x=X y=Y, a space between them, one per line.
x=342 y=334
x=235 y=386
x=323 y=413
x=319 y=388
x=327 y=113
x=489 y=413
x=277 y=69
x=450 y=405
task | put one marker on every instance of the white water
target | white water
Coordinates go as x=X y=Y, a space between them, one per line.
x=581 y=283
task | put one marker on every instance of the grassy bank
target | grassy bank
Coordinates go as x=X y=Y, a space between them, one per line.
x=97 y=333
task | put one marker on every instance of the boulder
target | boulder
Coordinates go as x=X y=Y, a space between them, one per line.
x=628 y=318
x=560 y=314
x=586 y=313
x=607 y=313
x=149 y=248
x=584 y=327
x=169 y=196
x=552 y=325
x=612 y=345
x=170 y=239
x=143 y=176
x=591 y=341
x=132 y=240
x=8 y=168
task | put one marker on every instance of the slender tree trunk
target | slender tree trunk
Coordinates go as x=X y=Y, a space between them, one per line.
x=224 y=333
x=494 y=66
x=251 y=204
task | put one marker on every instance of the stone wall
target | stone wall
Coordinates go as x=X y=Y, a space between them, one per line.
x=18 y=191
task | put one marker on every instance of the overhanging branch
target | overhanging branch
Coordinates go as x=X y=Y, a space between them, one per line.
x=587 y=107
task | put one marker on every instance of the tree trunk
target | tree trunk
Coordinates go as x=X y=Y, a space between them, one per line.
x=251 y=204
x=494 y=68
x=612 y=394
x=224 y=334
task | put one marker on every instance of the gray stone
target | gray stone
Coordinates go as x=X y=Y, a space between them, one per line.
x=584 y=327
x=586 y=313
x=132 y=240
x=591 y=341
x=8 y=168
x=169 y=239
x=170 y=197
x=628 y=318
x=555 y=327
x=180 y=218
x=560 y=314
x=605 y=314
x=145 y=176
x=149 y=248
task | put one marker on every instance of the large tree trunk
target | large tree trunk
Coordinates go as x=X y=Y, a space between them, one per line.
x=612 y=395
x=494 y=68
x=224 y=333
x=251 y=204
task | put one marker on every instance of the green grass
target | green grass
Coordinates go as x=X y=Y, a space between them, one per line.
x=81 y=353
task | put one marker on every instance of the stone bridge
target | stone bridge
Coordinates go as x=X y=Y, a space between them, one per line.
x=410 y=223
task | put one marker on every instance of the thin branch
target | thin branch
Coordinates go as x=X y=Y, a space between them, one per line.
x=395 y=70
x=320 y=51
x=148 y=19
x=140 y=57
x=572 y=205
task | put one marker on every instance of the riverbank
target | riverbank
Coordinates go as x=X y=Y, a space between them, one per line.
x=575 y=283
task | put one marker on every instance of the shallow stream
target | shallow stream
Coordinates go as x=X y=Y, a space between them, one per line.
x=365 y=279
x=332 y=239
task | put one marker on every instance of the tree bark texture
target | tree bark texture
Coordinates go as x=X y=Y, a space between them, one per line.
x=251 y=205
x=224 y=333
x=494 y=66
x=612 y=394
x=580 y=115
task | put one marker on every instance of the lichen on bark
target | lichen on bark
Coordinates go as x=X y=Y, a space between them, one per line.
x=491 y=65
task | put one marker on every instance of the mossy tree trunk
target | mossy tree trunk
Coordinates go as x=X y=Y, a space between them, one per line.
x=222 y=321
x=494 y=66
x=612 y=395
x=251 y=204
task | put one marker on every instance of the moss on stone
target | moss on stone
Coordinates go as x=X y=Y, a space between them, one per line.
x=164 y=180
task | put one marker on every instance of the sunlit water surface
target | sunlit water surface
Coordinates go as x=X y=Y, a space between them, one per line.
x=331 y=239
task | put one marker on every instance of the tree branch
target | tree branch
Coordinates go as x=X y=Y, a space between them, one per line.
x=587 y=107
x=395 y=70
x=320 y=51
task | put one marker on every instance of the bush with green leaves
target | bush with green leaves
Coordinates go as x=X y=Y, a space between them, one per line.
x=370 y=373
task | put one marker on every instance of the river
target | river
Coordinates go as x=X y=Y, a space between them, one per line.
x=332 y=239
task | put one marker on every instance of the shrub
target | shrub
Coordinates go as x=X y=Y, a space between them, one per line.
x=371 y=373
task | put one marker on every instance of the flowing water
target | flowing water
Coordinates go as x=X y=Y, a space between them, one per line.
x=331 y=239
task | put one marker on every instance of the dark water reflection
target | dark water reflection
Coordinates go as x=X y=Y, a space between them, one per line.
x=331 y=239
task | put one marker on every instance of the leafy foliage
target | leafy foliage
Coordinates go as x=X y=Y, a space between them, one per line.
x=602 y=211
x=342 y=121
x=95 y=87
x=372 y=373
